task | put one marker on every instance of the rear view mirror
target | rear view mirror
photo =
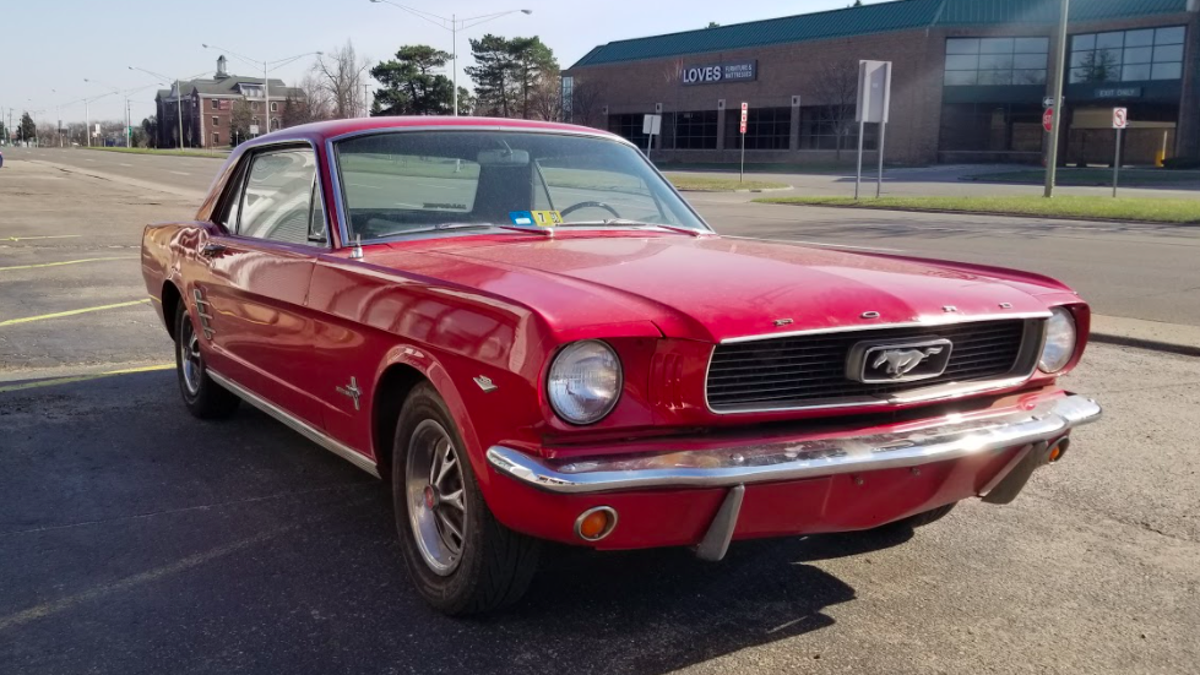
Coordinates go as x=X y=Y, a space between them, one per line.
x=503 y=157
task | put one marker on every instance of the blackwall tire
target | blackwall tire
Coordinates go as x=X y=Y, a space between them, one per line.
x=460 y=558
x=203 y=397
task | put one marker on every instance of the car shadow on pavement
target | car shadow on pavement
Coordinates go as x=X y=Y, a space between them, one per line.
x=151 y=542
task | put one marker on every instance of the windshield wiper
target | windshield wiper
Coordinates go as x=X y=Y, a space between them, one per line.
x=482 y=226
x=636 y=223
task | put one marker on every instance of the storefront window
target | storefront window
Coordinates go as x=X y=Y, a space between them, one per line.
x=695 y=130
x=629 y=127
x=996 y=61
x=1128 y=56
x=991 y=127
x=831 y=127
x=767 y=129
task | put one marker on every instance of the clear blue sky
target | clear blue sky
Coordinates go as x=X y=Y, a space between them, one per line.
x=47 y=45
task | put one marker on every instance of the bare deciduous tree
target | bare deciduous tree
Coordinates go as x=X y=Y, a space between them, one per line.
x=306 y=103
x=587 y=103
x=341 y=77
x=836 y=89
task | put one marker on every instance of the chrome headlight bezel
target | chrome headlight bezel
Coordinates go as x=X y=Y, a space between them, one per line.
x=1062 y=339
x=565 y=403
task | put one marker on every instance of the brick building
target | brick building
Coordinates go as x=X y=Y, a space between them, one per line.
x=208 y=105
x=969 y=79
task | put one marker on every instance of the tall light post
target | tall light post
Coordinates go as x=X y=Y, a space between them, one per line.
x=125 y=95
x=1060 y=79
x=36 y=140
x=267 y=67
x=453 y=24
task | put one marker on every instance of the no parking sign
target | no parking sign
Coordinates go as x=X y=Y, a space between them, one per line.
x=1120 y=118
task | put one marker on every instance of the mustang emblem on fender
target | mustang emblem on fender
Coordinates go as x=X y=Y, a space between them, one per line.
x=901 y=362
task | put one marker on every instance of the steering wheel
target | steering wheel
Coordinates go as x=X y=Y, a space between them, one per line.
x=583 y=205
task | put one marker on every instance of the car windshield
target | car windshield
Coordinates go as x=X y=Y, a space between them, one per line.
x=420 y=181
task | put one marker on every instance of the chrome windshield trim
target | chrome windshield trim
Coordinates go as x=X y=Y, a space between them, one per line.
x=582 y=132
x=298 y=425
x=933 y=321
x=942 y=439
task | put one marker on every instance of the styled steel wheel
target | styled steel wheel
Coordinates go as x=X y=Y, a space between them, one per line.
x=193 y=362
x=203 y=397
x=460 y=558
x=436 y=498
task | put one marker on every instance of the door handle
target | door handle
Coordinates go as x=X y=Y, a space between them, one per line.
x=211 y=250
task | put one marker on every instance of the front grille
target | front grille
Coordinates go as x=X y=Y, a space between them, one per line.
x=810 y=370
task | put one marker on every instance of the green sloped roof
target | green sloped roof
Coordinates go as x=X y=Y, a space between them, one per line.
x=878 y=18
x=962 y=12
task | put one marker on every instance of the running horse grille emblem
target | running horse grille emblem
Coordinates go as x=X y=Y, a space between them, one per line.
x=901 y=362
x=886 y=363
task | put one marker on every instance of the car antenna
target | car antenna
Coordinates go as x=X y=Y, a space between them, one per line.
x=356 y=253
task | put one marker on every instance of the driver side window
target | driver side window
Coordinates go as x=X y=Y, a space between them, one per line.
x=280 y=199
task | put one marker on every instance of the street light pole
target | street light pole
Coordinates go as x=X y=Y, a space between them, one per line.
x=1060 y=78
x=454 y=24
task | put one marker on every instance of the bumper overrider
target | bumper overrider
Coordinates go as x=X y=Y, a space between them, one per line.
x=1033 y=433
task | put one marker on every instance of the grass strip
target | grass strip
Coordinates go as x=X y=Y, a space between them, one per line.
x=1141 y=210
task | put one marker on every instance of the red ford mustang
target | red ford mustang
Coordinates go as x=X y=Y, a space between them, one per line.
x=529 y=332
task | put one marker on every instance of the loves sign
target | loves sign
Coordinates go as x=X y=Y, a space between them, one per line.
x=741 y=71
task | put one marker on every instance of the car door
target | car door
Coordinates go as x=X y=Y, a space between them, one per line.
x=257 y=265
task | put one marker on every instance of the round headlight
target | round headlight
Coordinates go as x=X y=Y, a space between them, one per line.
x=1060 y=341
x=584 y=382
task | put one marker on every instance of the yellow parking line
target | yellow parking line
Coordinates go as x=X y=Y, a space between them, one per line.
x=73 y=312
x=83 y=378
x=67 y=262
x=44 y=236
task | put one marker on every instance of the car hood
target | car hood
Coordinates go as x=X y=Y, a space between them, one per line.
x=719 y=287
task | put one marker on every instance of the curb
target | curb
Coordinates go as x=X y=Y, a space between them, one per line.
x=744 y=191
x=1143 y=343
x=996 y=214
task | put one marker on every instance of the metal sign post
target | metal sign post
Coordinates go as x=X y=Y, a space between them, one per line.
x=1120 y=122
x=745 y=121
x=651 y=126
x=874 y=104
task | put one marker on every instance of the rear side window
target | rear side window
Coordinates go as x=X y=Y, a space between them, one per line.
x=277 y=200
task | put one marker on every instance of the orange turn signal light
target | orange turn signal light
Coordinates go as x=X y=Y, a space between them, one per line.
x=596 y=523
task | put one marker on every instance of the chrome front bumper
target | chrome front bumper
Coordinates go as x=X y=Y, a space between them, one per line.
x=942 y=439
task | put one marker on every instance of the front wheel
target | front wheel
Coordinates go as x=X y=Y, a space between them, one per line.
x=459 y=557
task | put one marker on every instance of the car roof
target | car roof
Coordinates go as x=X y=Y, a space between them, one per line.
x=321 y=131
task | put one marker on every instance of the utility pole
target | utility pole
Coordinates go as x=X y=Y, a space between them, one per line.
x=1060 y=78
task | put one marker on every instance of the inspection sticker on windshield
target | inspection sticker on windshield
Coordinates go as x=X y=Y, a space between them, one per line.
x=538 y=218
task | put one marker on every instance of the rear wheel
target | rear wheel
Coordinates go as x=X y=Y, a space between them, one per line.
x=203 y=397
x=461 y=559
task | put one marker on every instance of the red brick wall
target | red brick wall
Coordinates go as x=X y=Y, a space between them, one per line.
x=918 y=58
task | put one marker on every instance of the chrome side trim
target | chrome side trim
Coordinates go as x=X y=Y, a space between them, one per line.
x=295 y=424
x=938 y=440
x=933 y=321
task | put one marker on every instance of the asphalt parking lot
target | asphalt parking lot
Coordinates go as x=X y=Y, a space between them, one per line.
x=135 y=539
